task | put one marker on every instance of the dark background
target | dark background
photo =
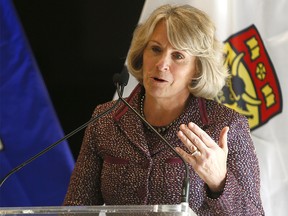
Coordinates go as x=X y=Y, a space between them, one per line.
x=79 y=45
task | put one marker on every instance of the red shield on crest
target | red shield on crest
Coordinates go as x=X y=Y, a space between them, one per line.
x=253 y=88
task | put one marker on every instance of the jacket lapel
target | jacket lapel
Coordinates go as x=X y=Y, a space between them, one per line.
x=130 y=124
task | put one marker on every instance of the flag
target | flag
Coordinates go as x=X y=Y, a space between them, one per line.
x=28 y=124
x=255 y=37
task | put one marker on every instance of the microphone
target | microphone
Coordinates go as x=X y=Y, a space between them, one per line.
x=121 y=83
x=186 y=182
x=122 y=78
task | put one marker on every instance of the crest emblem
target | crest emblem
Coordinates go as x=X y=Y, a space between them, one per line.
x=252 y=88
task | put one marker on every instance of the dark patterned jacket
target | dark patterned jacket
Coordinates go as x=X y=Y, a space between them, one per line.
x=121 y=162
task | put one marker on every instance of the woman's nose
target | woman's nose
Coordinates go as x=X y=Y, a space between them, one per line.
x=163 y=63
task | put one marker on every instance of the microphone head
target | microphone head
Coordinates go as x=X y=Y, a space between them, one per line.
x=116 y=78
x=122 y=78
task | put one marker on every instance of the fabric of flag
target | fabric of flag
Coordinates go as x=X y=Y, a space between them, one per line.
x=28 y=124
x=255 y=34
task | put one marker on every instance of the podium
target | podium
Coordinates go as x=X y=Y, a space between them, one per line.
x=130 y=210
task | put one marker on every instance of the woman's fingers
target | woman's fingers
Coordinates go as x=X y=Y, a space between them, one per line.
x=194 y=137
x=223 y=139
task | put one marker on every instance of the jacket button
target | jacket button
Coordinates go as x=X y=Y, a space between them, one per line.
x=142 y=193
x=145 y=164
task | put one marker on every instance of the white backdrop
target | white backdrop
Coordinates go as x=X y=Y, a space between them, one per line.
x=271 y=138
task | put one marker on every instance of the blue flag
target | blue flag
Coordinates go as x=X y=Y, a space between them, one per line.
x=28 y=124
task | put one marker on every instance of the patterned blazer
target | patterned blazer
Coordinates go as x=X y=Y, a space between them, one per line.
x=121 y=162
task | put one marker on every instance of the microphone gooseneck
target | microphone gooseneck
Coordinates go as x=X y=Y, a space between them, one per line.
x=122 y=83
x=186 y=182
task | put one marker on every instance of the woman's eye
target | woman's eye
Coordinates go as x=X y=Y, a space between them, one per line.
x=178 y=56
x=156 y=49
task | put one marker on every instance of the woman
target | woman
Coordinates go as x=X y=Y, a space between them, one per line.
x=179 y=65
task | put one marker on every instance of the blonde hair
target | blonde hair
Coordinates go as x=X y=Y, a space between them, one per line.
x=188 y=29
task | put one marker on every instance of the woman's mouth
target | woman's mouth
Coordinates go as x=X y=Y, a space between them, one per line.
x=158 y=79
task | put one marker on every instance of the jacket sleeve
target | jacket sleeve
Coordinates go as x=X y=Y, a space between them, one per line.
x=241 y=195
x=84 y=186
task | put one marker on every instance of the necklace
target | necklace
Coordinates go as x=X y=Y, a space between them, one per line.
x=161 y=129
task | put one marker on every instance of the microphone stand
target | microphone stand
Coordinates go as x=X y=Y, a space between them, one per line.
x=62 y=139
x=186 y=182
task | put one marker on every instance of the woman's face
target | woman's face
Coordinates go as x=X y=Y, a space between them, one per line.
x=167 y=71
